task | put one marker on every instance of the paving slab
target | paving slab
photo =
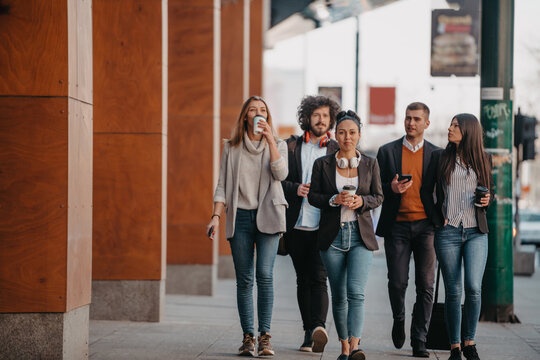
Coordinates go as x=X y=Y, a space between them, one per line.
x=207 y=328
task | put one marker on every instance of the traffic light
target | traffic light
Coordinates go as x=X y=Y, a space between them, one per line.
x=525 y=135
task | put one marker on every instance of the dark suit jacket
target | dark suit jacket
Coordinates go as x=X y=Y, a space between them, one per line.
x=390 y=159
x=294 y=179
x=434 y=207
x=323 y=187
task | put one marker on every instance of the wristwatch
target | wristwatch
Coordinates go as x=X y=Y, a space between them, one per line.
x=331 y=201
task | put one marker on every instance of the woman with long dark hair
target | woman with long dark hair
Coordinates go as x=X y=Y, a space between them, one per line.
x=461 y=176
x=346 y=185
x=253 y=164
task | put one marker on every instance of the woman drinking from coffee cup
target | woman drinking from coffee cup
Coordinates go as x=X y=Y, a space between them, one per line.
x=253 y=164
x=346 y=185
x=461 y=176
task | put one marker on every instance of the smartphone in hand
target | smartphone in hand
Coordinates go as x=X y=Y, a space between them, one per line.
x=405 y=177
x=211 y=232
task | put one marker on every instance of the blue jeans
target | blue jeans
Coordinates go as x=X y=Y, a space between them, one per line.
x=453 y=247
x=246 y=237
x=347 y=263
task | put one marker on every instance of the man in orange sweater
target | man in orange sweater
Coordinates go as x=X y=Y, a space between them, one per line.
x=406 y=228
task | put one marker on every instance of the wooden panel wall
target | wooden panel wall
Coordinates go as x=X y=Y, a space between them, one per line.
x=45 y=140
x=33 y=48
x=232 y=74
x=190 y=123
x=128 y=140
x=256 y=47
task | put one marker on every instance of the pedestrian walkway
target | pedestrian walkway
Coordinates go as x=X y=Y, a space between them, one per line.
x=207 y=328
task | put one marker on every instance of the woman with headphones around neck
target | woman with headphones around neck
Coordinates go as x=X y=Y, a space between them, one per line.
x=253 y=164
x=346 y=235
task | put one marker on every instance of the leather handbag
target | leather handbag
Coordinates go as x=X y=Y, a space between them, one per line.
x=282 y=250
x=437 y=336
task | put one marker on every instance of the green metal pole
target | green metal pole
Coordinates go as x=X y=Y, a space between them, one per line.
x=497 y=120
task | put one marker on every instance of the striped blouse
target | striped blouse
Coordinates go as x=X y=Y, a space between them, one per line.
x=460 y=196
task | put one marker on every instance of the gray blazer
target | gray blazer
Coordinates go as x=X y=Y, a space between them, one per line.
x=272 y=203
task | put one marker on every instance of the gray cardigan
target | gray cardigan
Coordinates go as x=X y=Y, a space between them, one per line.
x=272 y=203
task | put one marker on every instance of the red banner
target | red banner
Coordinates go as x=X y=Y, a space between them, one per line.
x=382 y=103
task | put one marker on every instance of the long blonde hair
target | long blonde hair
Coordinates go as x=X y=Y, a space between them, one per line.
x=237 y=134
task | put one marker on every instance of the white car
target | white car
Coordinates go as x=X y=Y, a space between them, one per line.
x=529 y=226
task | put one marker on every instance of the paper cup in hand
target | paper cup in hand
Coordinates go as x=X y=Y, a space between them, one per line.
x=350 y=189
x=256 y=129
x=479 y=193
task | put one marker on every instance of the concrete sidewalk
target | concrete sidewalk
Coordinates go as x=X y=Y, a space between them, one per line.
x=197 y=327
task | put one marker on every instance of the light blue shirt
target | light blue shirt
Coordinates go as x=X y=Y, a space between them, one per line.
x=309 y=216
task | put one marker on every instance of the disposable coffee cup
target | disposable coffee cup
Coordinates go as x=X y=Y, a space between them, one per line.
x=350 y=189
x=479 y=193
x=256 y=129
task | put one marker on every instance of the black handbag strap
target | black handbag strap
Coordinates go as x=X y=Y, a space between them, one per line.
x=437 y=286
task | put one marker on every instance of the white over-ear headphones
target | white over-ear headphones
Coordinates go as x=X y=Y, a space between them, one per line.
x=344 y=163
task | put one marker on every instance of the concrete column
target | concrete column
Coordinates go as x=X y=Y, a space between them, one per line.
x=130 y=142
x=45 y=178
x=194 y=78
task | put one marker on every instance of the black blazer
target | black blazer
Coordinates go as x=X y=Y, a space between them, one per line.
x=434 y=207
x=294 y=179
x=390 y=159
x=323 y=187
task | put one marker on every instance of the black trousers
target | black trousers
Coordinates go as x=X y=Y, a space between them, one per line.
x=414 y=237
x=311 y=290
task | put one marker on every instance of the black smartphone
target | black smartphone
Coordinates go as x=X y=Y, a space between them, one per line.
x=211 y=232
x=405 y=177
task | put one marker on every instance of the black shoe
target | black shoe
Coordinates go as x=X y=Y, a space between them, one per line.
x=455 y=354
x=419 y=349
x=398 y=333
x=307 y=345
x=343 y=357
x=357 y=355
x=470 y=352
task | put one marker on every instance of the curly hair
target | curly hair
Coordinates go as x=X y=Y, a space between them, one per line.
x=311 y=103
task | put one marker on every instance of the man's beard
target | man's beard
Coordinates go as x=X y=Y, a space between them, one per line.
x=319 y=132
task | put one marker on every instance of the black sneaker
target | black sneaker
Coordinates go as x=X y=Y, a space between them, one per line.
x=307 y=345
x=357 y=355
x=455 y=354
x=470 y=352
x=398 y=333
x=320 y=338
x=248 y=346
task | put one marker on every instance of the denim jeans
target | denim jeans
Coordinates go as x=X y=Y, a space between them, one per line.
x=347 y=263
x=246 y=237
x=453 y=247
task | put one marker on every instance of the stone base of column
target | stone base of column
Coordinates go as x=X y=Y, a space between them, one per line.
x=191 y=279
x=133 y=300
x=45 y=335
x=226 y=267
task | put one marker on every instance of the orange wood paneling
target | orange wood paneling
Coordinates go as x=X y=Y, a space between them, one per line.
x=256 y=47
x=79 y=227
x=190 y=180
x=127 y=207
x=34 y=48
x=191 y=60
x=189 y=245
x=33 y=204
x=190 y=131
x=127 y=66
x=232 y=73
